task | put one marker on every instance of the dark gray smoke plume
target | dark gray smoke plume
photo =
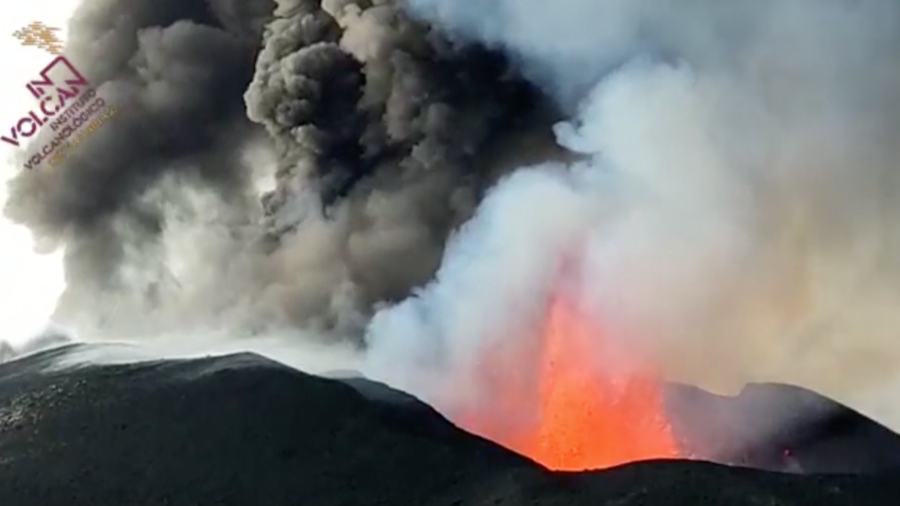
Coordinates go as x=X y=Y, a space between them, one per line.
x=301 y=194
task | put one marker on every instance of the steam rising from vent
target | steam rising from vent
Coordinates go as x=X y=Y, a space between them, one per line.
x=733 y=209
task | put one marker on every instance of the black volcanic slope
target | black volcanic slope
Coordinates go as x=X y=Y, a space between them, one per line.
x=781 y=427
x=243 y=431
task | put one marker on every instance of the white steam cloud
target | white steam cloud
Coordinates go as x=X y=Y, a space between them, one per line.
x=735 y=210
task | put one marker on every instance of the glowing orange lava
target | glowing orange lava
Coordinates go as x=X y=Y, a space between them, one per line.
x=585 y=418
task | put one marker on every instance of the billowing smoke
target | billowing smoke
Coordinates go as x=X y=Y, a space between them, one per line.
x=733 y=213
x=721 y=196
x=270 y=165
x=395 y=130
x=174 y=71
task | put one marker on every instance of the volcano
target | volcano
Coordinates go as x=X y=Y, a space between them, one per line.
x=242 y=429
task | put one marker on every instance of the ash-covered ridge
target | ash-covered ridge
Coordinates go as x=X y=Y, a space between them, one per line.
x=241 y=429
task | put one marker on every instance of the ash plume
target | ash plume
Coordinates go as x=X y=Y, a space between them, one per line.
x=391 y=127
x=733 y=213
x=174 y=71
x=270 y=166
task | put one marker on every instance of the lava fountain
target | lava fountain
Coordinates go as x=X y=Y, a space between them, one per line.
x=573 y=415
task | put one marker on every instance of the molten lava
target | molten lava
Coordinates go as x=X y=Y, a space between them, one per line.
x=580 y=417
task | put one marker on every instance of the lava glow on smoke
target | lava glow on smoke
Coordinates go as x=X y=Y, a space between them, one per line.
x=577 y=417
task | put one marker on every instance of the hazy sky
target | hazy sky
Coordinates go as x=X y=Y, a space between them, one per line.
x=29 y=284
